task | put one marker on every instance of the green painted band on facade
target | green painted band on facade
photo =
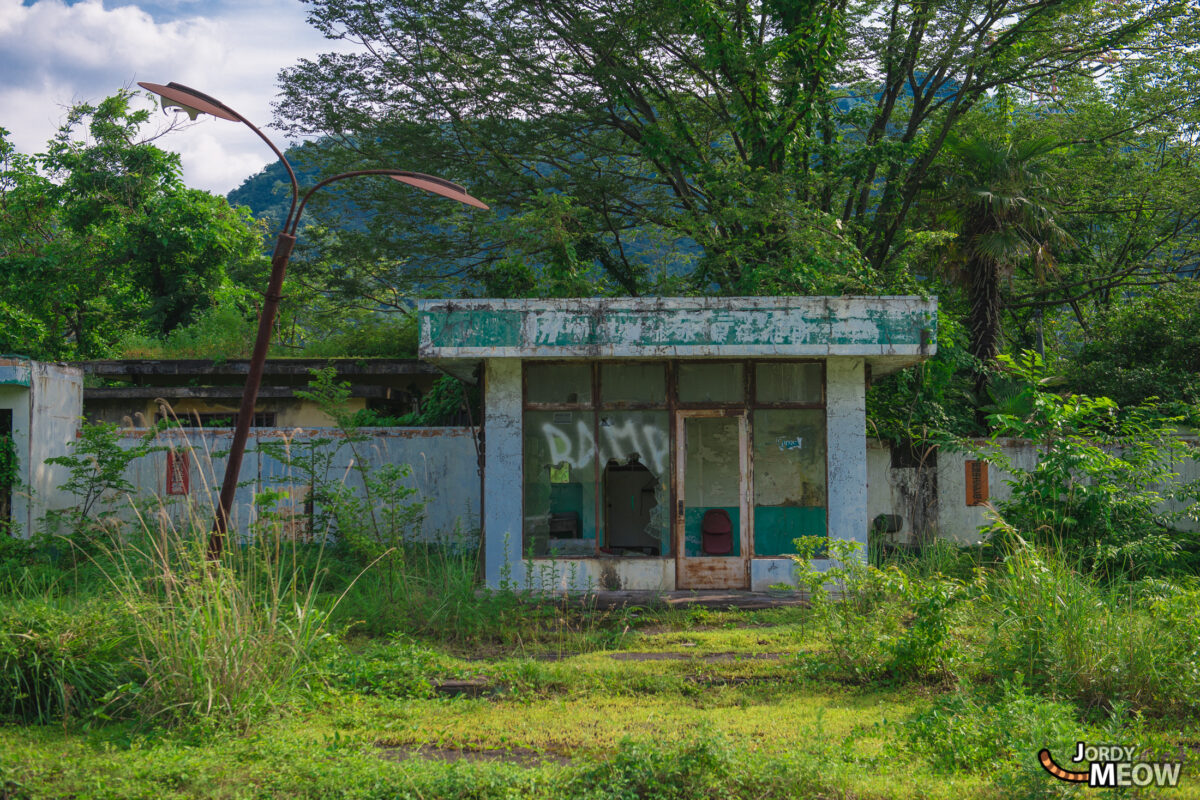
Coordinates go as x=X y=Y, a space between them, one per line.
x=506 y=328
x=15 y=376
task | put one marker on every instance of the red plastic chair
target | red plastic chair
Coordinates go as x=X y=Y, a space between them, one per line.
x=716 y=532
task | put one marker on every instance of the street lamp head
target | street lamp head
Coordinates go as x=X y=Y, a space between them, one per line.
x=190 y=101
x=193 y=103
x=438 y=186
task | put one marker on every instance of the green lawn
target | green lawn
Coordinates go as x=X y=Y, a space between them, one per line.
x=702 y=713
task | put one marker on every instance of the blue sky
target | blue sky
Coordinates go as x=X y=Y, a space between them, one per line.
x=55 y=53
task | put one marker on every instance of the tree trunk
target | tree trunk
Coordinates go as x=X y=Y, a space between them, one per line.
x=984 y=295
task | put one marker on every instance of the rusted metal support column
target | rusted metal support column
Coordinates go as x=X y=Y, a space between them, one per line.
x=262 y=343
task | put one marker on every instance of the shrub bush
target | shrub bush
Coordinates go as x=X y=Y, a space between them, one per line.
x=64 y=662
x=1097 y=645
x=880 y=623
x=1101 y=477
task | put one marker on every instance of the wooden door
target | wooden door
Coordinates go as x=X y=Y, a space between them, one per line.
x=711 y=458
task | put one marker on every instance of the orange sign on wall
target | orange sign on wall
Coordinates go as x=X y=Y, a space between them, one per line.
x=977 y=483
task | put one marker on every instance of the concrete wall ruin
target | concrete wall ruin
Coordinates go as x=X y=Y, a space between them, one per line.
x=45 y=401
x=443 y=462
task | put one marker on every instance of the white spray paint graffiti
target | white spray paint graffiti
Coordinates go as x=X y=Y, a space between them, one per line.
x=578 y=446
x=576 y=451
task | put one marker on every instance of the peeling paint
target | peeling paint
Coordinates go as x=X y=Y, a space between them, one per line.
x=679 y=327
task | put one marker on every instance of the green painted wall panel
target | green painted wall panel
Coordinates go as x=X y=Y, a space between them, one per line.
x=558 y=328
x=776 y=527
x=472 y=328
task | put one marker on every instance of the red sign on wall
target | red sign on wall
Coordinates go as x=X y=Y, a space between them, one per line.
x=178 y=472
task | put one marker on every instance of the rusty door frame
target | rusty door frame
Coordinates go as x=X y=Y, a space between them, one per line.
x=721 y=572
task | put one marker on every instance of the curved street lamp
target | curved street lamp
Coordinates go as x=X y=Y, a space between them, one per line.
x=193 y=103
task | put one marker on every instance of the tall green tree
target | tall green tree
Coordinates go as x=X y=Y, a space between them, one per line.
x=99 y=237
x=788 y=141
x=999 y=198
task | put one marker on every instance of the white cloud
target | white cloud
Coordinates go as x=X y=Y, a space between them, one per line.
x=53 y=55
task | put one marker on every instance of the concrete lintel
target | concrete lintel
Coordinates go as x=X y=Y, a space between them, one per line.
x=151 y=370
x=216 y=392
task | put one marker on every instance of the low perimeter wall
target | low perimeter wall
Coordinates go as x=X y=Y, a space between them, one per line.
x=942 y=493
x=185 y=477
x=950 y=494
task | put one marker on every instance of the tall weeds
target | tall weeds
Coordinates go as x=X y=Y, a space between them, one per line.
x=1096 y=643
x=217 y=639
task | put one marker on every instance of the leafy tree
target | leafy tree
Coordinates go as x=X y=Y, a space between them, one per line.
x=1145 y=349
x=99 y=237
x=1127 y=183
x=776 y=146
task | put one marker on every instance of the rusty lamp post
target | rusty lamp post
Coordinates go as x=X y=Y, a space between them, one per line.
x=193 y=103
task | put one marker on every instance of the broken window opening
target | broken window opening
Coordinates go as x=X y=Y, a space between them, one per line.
x=8 y=469
x=635 y=450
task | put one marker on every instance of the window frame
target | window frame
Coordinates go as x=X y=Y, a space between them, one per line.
x=749 y=404
x=747 y=385
x=754 y=405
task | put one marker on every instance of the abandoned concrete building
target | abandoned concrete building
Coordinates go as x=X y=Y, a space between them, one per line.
x=650 y=444
x=671 y=443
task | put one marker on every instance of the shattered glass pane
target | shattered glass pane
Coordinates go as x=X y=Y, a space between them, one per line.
x=560 y=515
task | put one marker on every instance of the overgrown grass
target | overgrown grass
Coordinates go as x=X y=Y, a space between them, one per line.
x=714 y=719
x=1034 y=614
x=150 y=627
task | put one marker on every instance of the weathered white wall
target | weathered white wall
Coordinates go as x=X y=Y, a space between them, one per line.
x=598 y=574
x=503 y=486
x=45 y=418
x=958 y=521
x=443 y=463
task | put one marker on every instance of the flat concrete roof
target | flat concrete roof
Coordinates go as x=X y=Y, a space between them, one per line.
x=276 y=371
x=890 y=332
